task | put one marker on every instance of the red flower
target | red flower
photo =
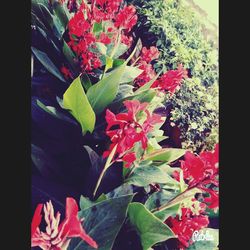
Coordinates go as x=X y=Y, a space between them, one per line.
x=150 y=54
x=128 y=130
x=126 y=40
x=126 y=18
x=184 y=226
x=147 y=74
x=36 y=219
x=66 y=72
x=104 y=38
x=171 y=80
x=213 y=199
x=57 y=237
x=78 y=25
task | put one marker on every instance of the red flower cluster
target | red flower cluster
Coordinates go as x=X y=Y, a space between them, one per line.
x=129 y=130
x=184 y=226
x=126 y=18
x=171 y=80
x=202 y=171
x=57 y=237
x=82 y=39
x=66 y=72
x=146 y=57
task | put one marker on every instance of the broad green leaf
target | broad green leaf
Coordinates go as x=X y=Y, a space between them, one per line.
x=130 y=74
x=166 y=155
x=101 y=48
x=146 y=96
x=104 y=92
x=85 y=202
x=145 y=175
x=160 y=198
x=124 y=189
x=102 y=222
x=150 y=229
x=211 y=244
x=75 y=100
x=47 y=63
x=60 y=12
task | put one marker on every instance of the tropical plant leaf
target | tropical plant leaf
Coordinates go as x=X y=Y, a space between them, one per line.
x=150 y=229
x=47 y=63
x=104 y=92
x=145 y=175
x=166 y=155
x=102 y=222
x=75 y=100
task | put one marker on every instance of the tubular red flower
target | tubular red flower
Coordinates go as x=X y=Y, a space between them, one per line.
x=184 y=226
x=57 y=237
x=36 y=220
x=126 y=18
x=128 y=130
x=171 y=80
x=66 y=72
x=150 y=54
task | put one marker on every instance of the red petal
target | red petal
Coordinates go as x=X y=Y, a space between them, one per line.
x=36 y=220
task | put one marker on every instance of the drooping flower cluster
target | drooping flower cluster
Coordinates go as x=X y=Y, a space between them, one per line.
x=57 y=237
x=125 y=129
x=111 y=22
x=199 y=171
x=184 y=226
x=169 y=81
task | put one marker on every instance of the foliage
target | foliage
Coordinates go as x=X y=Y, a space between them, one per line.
x=98 y=116
x=177 y=33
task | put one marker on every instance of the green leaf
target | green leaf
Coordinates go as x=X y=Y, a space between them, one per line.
x=86 y=83
x=75 y=100
x=150 y=229
x=104 y=92
x=102 y=222
x=145 y=175
x=101 y=48
x=207 y=244
x=47 y=63
x=130 y=74
x=60 y=12
x=166 y=155
x=97 y=28
x=109 y=63
x=69 y=54
x=85 y=202
x=159 y=198
x=118 y=62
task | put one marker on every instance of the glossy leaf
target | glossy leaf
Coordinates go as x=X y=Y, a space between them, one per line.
x=166 y=155
x=75 y=100
x=102 y=222
x=150 y=229
x=47 y=63
x=104 y=92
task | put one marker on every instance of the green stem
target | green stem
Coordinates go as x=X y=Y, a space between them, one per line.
x=178 y=199
x=107 y=165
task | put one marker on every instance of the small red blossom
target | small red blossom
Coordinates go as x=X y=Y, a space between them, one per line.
x=128 y=130
x=57 y=237
x=171 y=80
x=126 y=18
x=150 y=54
x=78 y=25
x=127 y=40
x=147 y=74
x=36 y=220
x=104 y=38
x=184 y=226
x=66 y=72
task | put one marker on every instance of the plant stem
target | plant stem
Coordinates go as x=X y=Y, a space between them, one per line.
x=107 y=165
x=178 y=199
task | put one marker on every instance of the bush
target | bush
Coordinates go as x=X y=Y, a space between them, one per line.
x=177 y=33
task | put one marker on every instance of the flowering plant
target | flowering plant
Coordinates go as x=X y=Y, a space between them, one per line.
x=100 y=114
